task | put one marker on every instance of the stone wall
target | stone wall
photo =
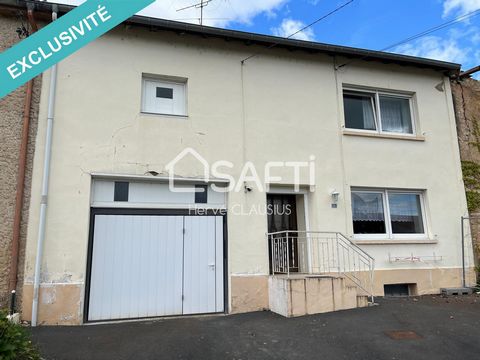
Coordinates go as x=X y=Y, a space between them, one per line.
x=466 y=96
x=11 y=117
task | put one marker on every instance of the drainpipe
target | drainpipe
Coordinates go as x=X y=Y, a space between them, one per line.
x=46 y=175
x=467 y=73
x=22 y=160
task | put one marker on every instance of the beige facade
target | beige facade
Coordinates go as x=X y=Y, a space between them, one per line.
x=279 y=106
x=11 y=123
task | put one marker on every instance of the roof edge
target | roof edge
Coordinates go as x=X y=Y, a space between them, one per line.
x=449 y=68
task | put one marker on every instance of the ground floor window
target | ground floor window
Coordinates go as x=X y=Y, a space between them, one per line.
x=382 y=213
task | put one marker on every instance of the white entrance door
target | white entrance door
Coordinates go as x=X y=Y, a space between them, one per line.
x=155 y=265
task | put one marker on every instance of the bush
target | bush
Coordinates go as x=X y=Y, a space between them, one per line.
x=15 y=341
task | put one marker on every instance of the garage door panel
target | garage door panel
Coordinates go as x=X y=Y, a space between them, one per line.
x=143 y=265
x=209 y=290
x=172 y=269
x=155 y=265
x=199 y=266
x=117 y=244
x=97 y=287
x=219 y=274
x=136 y=266
x=127 y=271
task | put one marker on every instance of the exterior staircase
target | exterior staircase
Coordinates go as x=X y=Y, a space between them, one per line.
x=318 y=272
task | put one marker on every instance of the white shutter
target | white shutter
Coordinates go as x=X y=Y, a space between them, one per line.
x=169 y=105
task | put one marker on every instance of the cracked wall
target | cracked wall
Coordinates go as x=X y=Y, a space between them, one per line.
x=11 y=117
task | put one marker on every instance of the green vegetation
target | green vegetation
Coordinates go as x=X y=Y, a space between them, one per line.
x=476 y=133
x=15 y=341
x=471 y=178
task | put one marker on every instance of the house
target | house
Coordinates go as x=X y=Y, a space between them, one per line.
x=333 y=176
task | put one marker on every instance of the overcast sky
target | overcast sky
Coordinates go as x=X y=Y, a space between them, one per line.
x=371 y=24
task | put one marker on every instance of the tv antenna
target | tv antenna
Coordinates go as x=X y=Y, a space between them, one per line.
x=200 y=6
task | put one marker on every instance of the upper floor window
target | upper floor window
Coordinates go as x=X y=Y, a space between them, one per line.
x=164 y=96
x=388 y=213
x=378 y=111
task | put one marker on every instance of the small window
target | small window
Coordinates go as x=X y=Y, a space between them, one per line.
x=359 y=111
x=405 y=213
x=395 y=290
x=388 y=214
x=164 y=97
x=378 y=111
x=395 y=114
x=120 y=191
x=368 y=213
x=201 y=194
x=164 y=93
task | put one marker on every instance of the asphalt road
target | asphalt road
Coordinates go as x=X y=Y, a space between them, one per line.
x=431 y=328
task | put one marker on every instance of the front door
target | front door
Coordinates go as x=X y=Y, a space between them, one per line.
x=282 y=216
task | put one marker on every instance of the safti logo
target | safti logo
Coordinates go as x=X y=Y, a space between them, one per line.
x=249 y=177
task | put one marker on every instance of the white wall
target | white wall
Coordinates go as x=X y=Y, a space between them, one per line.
x=291 y=109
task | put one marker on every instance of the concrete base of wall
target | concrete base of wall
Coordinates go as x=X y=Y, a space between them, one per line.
x=249 y=293
x=427 y=281
x=306 y=295
x=62 y=304
x=59 y=304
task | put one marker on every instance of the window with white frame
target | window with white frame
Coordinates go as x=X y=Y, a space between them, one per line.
x=378 y=111
x=394 y=214
x=164 y=96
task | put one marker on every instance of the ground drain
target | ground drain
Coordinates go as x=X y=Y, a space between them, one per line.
x=403 y=335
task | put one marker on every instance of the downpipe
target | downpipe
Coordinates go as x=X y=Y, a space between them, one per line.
x=22 y=161
x=44 y=198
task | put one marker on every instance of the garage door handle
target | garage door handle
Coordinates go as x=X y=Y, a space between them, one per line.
x=212 y=266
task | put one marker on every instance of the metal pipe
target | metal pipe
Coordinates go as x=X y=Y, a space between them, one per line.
x=469 y=72
x=288 y=257
x=22 y=161
x=338 y=253
x=271 y=243
x=309 y=253
x=463 y=252
x=13 y=302
x=46 y=175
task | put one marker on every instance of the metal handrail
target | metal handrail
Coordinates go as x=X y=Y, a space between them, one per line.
x=350 y=243
x=322 y=232
x=322 y=252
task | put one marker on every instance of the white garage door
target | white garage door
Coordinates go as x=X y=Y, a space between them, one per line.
x=156 y=265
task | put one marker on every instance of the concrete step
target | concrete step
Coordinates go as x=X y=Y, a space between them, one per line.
x=362 y=301
x=304 y=295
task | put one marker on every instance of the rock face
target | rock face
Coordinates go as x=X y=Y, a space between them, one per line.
x=466 y=97
x=11 y=117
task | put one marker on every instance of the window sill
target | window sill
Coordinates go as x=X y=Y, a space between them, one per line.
x=164 y=115
x=384 y=136
x=393 y=241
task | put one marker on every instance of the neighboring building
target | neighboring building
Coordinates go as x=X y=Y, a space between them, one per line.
x=378 y=128
x=14 y=26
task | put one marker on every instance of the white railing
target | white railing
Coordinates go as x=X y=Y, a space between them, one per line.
x=321 y=253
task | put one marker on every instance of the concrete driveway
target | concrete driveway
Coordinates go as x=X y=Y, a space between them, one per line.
x=430 y=328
